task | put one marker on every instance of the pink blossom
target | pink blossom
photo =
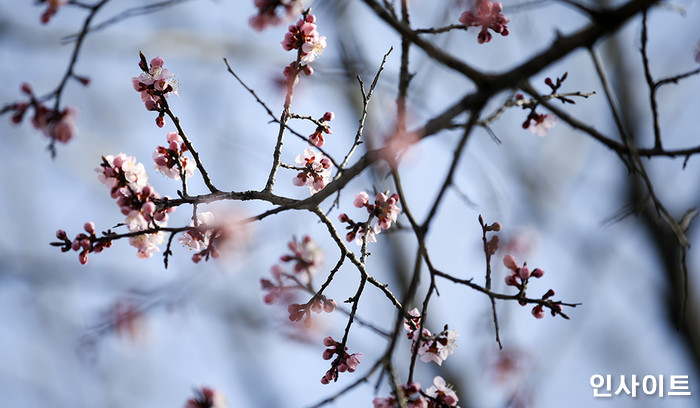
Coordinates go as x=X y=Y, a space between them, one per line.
x=198 y=238
x=317 y=138
x=442 y=393
x=487 y=15
x=412 y=398
x=540 y=124
x=214 y=236
x=59 y=126
x=342 y=363
x=315 y=170
x=64 y=129
x=386 y=210
x=147 y=244
x=267 y=12
x=307 y=255
x=538 y=312
x=153 y=83
x=519 y=273
x=361 y=199
x=168 y=160
x=303 y=36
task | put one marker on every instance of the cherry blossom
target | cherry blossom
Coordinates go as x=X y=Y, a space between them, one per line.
x=342 y=363
x=434 y=348
x=317 y=138
x=315 y=170
x=168 y=160
x=307 y=257
x=83 y=243
x=54 y=124
x=317 y=304
x=303 y=36
x=412 y=398
x=216 y=235
x=540 y=124
x=384 y=209
x=487 y=15
x=198 y=237
x=519 y=273
x=442 y=394
x=155 y=81
x=267 y=12
x=136 y=198
x=207 y=398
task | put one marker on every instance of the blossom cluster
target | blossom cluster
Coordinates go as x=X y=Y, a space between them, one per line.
x=316 y=304
x=54 y=124
x=487 y=15
x=307 y=258
x=317 y=138
x=384 y=209
x=314 y=170
x=303 y=36
x=85 y=243
x=519 y=276
x=136 y=198
x=432 y=347
x=267 y=12
x=211 y=236
x=170 y=160
x=155 y=81
x=342 y=363
x=207 y=398
x=439 y=395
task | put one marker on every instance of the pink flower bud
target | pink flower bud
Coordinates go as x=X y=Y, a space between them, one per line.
x=61 y=234
x=361 y=199
x=538 y=312
x=160 y=121
x=524 y=273
x=329 y=305
x=26 y=88
x=83 y=257
x=328 y=341
x=537 y=273
x=89 y=227
x=510 y=281
x=328 y=116
x=157 y=62
x=270 y=298
x=496 y=226
x=316 y=306
x=509 y=262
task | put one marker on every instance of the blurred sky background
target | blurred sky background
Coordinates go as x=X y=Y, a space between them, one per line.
x=206 y=324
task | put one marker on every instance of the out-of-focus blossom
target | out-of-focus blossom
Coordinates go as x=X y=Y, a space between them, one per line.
x=267 y=12
x=540 y=124
x=412 y=398
x=487 y=15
